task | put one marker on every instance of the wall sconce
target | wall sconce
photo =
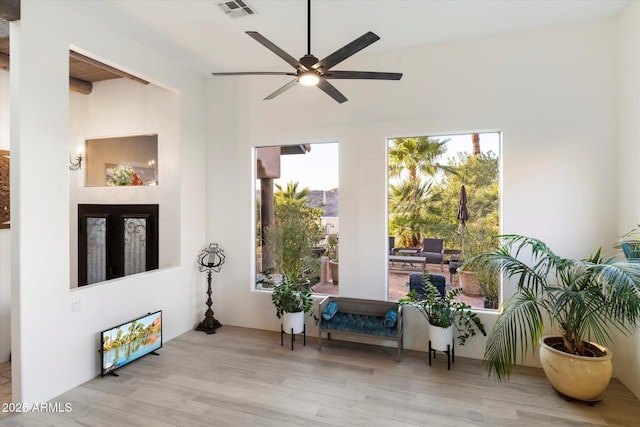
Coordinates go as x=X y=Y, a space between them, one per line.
x=74 y=166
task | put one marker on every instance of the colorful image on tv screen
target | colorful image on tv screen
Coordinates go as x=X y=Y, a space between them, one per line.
x=130 y=341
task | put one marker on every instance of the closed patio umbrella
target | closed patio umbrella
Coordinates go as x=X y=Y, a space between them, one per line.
x=463 y=214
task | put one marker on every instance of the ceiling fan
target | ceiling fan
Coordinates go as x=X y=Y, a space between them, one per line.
x=313 y=72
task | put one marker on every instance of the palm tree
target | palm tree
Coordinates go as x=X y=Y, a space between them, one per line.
x=414 y=211
x=291 y=191
x=118 y=336
x=132 y=329
x=409 y=196
x=412 y=200
x=475 y=142
x=416 y=155
x=139 y=330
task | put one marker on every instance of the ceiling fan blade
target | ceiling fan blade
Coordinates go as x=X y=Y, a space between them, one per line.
x=284 y=88
x=330 y=90
x=367 y=75
x=255 y=73
x=275 y=49
x=346 y=51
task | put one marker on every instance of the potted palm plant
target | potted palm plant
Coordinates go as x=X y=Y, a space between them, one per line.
x=584 y=299
x=292 y=301
x=443 y=314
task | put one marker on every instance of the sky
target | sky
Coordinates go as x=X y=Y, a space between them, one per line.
x=318 y=169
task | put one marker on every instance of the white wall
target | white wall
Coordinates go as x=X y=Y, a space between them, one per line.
x=5 y=242
x=53 y=348
x=123 y=107
x=551 y=92
x=627 y=357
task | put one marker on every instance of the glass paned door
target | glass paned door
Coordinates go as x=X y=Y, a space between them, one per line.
x=135 y=245
x=96 y=249
x=116 y=241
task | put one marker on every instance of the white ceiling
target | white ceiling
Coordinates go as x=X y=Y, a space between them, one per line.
x=197 y=33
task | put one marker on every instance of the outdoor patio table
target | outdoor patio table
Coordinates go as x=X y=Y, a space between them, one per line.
x=408 y=259
x=407 y=251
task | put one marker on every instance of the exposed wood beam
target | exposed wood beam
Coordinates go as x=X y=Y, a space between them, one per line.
x=80 y=86
x=10 y=10
x=75 y=85
x=4 y=61
x=80 y=57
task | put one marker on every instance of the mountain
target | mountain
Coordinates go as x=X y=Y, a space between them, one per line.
x=325 y=200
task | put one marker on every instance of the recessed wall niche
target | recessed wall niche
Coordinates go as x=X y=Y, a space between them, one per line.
x=122 y=161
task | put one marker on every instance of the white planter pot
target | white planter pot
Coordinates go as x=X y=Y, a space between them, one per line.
x=440 y=337
x=579 y=377
x=293 y=321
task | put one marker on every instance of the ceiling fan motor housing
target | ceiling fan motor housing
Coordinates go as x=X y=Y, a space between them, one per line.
x=308 y=61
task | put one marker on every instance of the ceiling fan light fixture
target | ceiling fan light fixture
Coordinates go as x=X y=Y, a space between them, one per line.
x=309 y=78
x=310 y=71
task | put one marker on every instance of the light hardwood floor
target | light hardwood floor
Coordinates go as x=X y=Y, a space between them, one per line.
x=243 y=377
x=5 y=386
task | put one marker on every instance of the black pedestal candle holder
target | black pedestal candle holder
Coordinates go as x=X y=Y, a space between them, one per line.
x=210 y=260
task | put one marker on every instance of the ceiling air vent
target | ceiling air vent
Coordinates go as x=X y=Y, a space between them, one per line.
x=236 y=8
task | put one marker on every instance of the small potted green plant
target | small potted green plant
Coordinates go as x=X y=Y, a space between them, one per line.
x=443 y=314
x=292 y=301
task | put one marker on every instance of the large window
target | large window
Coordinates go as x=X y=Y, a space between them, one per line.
x=443 y=209
x=297 y=216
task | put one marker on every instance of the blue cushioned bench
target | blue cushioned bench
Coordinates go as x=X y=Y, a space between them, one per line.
x=362 y=317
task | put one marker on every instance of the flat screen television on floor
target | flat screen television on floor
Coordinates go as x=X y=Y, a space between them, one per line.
x=130 y=341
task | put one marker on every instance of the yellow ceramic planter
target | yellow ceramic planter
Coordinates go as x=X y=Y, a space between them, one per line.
x=578 y=377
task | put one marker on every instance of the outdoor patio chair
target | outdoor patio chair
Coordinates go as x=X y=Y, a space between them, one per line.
x=631 y=250
x=415 y=283
x=433 y=251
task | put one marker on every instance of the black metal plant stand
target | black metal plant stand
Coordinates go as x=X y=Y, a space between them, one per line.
x=214 y=260
x=450 y=352
x=293 y=336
